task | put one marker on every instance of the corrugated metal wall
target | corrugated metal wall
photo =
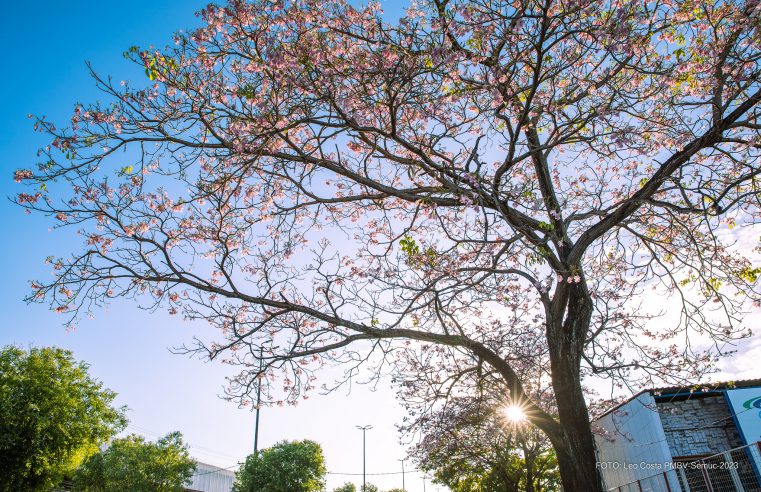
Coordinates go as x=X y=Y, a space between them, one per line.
x=634 y=446
x=208 y=478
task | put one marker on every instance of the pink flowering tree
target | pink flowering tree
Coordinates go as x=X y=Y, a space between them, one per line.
x=470 y=444
x=477 y=188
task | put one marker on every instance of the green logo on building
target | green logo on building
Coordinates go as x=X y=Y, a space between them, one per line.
x=753 y=403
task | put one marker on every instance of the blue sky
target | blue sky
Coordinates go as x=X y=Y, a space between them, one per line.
x=45 y=47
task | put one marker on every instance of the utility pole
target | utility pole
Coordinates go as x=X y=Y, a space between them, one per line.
x=423 y=483
x=364 y=428
x=404 y=489
x=258 y=402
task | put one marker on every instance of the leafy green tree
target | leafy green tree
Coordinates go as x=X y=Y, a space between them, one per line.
x=470 y=445
x=347 y=487
x=369 y=488
x=53 y=415
x=132 y=464
x=296 y=466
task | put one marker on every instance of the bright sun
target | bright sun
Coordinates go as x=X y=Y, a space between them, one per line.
x=515 y=414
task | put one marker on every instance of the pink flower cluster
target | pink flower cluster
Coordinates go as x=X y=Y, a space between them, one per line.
x=571 y=279
x=22 y=174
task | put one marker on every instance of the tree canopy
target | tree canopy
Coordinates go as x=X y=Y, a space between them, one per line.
x=132 y=464
x=472 y=445
x=295 y=466
x=347 y=487
x=480 y=186
x=53 y=415
x=350 y=487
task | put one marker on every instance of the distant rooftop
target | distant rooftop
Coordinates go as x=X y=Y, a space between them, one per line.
x=696 y=390
x=699 y=388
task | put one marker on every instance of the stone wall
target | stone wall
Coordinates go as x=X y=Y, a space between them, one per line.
x=698 y=426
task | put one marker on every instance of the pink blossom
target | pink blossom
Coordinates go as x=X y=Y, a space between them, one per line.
x=22 y=174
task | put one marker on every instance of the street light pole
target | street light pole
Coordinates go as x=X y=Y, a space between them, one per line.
x=258 y=403
x=404 y=489
x=364 y=428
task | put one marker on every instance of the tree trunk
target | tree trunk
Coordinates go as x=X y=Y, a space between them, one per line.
x=529 y=460
x=576 y=455
x=574 y=445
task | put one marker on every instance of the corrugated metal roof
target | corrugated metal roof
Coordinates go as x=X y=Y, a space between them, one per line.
x=723 y=385
x=695 y=389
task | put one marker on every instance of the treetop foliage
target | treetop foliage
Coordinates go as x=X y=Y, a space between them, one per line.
x=53 y=416
x=132 y=464
x=295 y=466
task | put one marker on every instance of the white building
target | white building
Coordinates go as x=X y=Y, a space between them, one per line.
x=209 y=478
x=682 y=439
